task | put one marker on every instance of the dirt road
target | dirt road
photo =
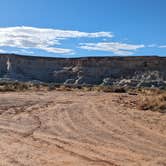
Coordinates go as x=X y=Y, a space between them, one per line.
x=79 y=129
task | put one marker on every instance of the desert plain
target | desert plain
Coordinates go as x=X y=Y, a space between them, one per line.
x=79 y=128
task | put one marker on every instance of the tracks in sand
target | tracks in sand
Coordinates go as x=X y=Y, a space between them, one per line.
x=78 y=128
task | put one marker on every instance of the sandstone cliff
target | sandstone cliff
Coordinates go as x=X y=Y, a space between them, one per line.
x=131 y=71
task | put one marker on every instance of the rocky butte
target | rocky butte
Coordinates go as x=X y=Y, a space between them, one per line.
x=135 y=71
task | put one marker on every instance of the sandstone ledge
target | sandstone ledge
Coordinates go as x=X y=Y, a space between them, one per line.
x=125 y=71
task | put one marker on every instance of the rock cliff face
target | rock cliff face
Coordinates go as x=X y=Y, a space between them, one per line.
x=131 y=71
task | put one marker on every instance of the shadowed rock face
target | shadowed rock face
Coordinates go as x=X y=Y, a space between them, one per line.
x=131 y=71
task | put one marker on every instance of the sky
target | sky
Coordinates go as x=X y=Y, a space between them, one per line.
x=76 y=28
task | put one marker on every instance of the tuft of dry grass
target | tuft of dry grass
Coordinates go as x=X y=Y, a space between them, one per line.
x=22 y=86
x=13 y=87
x=154 y=100
x=17 y=86
x=108 y=89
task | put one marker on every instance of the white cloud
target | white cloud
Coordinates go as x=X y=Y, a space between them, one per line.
x=2 y=51
x=20 y=51
x=152 y=45
x=163 y=46
x=42 y=38
x=23 y=51
x=115 y=47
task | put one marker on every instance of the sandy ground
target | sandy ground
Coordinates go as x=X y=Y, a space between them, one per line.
x=79 y=129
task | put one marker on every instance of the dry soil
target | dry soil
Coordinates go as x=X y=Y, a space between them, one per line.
x=75 y=128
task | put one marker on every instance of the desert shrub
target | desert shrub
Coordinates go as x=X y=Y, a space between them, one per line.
x=64 y=88
x=85 y=88
x=21 y=86
x=108 y=89
x=14 y=86
x=50 y=87
x=6 y=88
x=154 y=100
x=119 y=89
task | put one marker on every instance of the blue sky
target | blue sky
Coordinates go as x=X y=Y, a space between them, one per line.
x=72 y=28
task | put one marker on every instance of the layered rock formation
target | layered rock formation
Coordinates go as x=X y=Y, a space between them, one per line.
x=125 y=71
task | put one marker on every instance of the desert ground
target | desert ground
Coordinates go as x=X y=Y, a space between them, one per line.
x=77 y=128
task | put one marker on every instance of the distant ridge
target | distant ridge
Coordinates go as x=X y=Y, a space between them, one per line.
x=133 y=71
x=81 y=57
